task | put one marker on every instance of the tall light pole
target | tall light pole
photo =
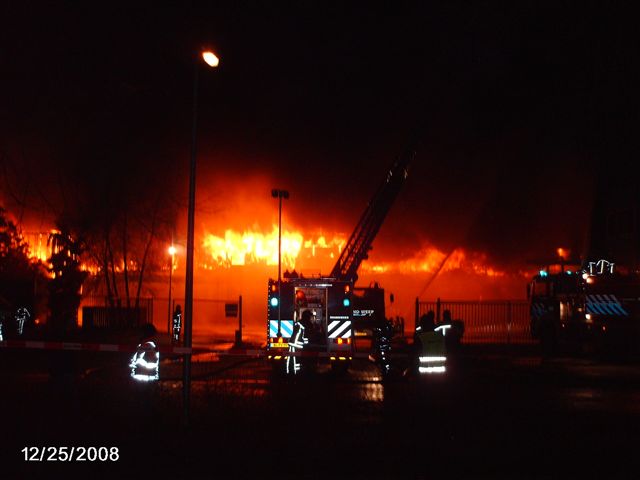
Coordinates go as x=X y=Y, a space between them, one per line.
x=279 y=194
x=212 y=60
x=172 y=252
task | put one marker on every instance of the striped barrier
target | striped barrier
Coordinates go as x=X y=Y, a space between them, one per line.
x=129 y=348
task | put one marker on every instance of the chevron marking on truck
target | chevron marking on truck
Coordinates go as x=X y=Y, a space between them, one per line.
x=605 y=305
x=286 y=328
x=337 y=329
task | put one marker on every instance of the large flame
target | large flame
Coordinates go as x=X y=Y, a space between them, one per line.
x=305 y=250
x=255 y=247
x=38 y=248
x=429 y=259
x=247 y=247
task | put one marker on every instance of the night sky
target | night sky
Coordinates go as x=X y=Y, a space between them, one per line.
x=515 y=107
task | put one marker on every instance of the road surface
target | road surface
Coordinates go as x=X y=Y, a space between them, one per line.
x=491 y=415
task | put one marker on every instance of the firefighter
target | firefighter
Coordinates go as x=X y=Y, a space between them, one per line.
x=429 y=345
x=177 y=324
x=427 y=322
x=453 y=330
x=21 y=316
x=301 y=330
x=382 y=335
x=298 y=341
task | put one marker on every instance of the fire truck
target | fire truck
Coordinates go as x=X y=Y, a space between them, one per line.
x=328 y=302
x=335 y=304
x=591 y=307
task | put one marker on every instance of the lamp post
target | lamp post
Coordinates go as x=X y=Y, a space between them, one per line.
x=172 y=252
x=211 y=60
x=279 y=194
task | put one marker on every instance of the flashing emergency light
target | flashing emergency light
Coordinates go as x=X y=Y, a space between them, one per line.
x=274 y=301
x=346 y=302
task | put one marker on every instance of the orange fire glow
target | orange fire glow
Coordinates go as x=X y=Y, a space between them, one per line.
x=429 y=259
x=37 y=245
x=254 y=247
x=235 y=248
x=39 y=249
x=302 y=251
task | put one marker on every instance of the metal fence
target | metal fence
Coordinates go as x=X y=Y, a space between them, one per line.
x=494 y=321
x=209 y=314
x=98 y=312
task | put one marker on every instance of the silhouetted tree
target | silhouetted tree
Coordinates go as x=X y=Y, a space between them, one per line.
x=21 y=279
x=14 y=250
x=64 y=287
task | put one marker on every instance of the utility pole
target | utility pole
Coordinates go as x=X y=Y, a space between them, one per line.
x=279 y=194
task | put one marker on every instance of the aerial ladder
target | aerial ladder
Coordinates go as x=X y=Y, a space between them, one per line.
x=361 y=240
x=369 y=302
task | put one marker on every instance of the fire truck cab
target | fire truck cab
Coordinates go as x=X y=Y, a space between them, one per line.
x=329 y=303
x=595 y=306
x=368 y=309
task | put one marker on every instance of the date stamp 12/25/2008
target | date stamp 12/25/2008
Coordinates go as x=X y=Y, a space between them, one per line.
x=71 y=454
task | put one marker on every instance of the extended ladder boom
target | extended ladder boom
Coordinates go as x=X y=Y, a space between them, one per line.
x=359 y=244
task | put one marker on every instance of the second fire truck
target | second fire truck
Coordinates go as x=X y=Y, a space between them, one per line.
x=588 y=307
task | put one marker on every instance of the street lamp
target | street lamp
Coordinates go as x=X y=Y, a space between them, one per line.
x=172 y=252
x=279 y=194
x=212 y=60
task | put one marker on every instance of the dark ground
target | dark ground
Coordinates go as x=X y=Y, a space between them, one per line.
x=494 y=414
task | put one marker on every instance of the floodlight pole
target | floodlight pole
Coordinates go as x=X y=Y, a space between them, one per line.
x=280 y=194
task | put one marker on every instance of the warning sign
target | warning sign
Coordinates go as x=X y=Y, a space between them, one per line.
x=230 y=309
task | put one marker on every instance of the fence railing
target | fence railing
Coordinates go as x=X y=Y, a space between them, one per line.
x=99 y=312
x=492 y=321
x=209 y=314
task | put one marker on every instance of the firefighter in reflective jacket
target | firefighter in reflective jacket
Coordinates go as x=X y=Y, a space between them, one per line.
x=177 y=324
x=382 y=335
x=429 y=344
x=298 y=341
x=21 y=316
